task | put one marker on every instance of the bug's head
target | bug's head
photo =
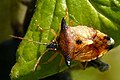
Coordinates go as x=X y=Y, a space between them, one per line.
x=52 y=45
x=110 y=42
x=103 y=41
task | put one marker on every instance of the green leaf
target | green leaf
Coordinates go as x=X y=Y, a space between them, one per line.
x=103 y=15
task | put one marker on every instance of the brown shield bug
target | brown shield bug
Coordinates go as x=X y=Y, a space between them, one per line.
x=80 y=43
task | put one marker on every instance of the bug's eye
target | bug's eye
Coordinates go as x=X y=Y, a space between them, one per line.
x=78 y=41
x=107 y=37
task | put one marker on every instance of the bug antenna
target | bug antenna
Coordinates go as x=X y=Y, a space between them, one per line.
x=27 y=40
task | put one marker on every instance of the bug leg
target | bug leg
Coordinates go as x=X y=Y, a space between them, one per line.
x=102 y=66
x=38 y=60
x=54 y=33
x=51 y=30
x=51 y=58
x=51 y=46
x=61 y=61
x=83 y=65
x=66 y=17
x=66 y=14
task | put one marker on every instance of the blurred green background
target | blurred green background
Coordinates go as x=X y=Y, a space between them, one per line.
x=11 y=12
x=5 y=19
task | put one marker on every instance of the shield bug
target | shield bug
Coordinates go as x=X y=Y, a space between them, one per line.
x=79 y=43
x=82 y=43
